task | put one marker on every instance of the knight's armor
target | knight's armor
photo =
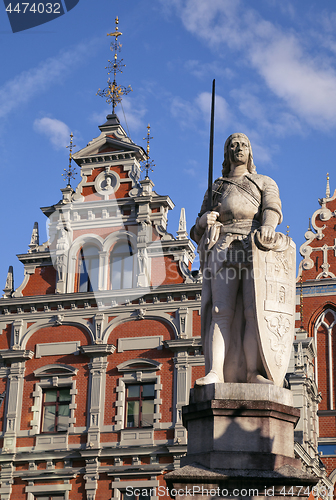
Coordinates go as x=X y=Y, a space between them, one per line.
x=241 y=203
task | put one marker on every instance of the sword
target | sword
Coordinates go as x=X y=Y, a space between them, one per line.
x=212 y=231
x=212 y=123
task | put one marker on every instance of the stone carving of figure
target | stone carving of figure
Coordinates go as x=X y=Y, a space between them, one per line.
x=108 y=183
x=244 y=202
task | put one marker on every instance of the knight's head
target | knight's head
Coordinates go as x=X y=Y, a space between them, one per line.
x=227 y=160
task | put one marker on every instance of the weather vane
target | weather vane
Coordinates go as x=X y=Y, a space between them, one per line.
x=113 y=93
x=148 y=164
x=70 y=172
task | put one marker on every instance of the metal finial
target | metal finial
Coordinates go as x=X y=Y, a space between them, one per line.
x=309 y=225
x=70 y=172
x=287 y=230
x=113 y=93
x=328 y=187
x=149 y=164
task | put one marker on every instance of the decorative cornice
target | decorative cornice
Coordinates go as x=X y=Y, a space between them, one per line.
x=15 y=356
x=181 y=344
x=96 y=350
x=9 y=307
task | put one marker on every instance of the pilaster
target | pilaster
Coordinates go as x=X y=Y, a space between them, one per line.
x=98 y=365
x=14 y=395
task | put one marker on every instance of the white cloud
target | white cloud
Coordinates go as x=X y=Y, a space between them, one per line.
x=186 y=112
x=202 y=70
x=222 y=113
x=269 y=118
x=189 y=113
x=134 y=112
x=28 y=84
x=305 y=84
x=57 y=131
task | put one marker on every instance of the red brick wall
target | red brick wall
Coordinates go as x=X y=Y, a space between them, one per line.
x=196 y=372
x=123 y=190
x=18 y=489
x=104 y=490
x=42 y=282
x=196 y=329
x=5 y=337
x=95 y=173
x=100 y=231
x=62 y=333
x=165 y=271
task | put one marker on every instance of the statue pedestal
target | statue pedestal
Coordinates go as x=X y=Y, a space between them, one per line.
x=241 y=436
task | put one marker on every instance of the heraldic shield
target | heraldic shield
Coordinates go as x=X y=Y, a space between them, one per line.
x=274 y=294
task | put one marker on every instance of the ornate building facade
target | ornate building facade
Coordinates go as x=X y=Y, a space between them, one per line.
x=100 y=343
x=316 y=311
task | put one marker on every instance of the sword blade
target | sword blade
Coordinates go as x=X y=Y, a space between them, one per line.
x=212 y=124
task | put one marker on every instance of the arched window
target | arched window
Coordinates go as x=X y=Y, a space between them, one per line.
x=325 y=333
x=88 y=267
x=121 y=266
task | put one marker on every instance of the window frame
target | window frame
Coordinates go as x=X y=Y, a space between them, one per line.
x=50 y=496
x=86 y=262
x=52 y=376
x=56 y=403
x=139 y=370
x=140 y=398
x=114 y=253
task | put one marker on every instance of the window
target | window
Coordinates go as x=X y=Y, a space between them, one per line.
x=55 y=409
x=50 y=497
x=136 y=494
x=140 y=405
x=121 y=266
x=88 y=267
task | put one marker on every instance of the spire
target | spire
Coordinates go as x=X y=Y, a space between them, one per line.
x=113 y=93
x=328 y=187
x=148 y=164
x=182 y=230
x=35 y=239
x=9 y=286
x=70 y=173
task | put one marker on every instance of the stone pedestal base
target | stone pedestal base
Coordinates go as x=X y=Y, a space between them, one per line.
x=241 y=437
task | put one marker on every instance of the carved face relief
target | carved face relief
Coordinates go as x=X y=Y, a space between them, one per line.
x=106 y=185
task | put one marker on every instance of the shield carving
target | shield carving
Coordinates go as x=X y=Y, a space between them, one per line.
x=274 y=295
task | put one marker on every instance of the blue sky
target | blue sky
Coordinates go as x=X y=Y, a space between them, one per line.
x=275 y=69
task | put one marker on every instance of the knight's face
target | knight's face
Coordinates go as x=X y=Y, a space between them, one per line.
x=238 y=150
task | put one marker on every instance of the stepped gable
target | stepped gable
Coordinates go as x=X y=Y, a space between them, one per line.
x=111 y=159
x=109 y=205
